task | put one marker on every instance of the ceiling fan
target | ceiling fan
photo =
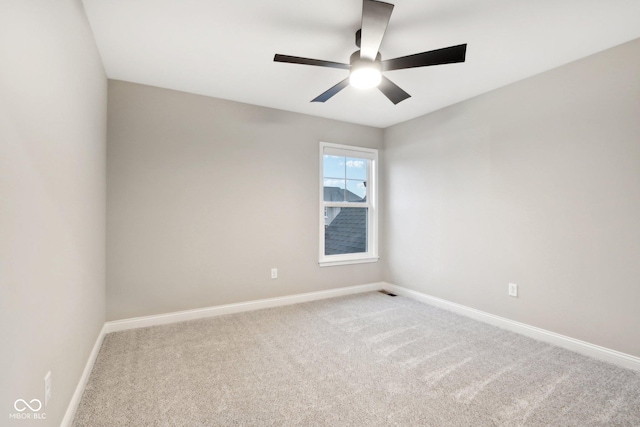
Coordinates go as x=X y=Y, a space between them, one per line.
x=366 y=66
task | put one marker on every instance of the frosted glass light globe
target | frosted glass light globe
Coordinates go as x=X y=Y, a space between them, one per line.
x=365 y=75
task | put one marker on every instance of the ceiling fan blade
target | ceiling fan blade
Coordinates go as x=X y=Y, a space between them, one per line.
x=307 y=61
x=447 y=55
x=392 y=91
x=375 y=18
x=328 y=94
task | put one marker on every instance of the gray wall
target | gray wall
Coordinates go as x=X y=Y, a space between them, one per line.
x=53 y=100
x=205 y=196
x=537 y=183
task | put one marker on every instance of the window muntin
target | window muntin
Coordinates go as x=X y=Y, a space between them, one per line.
x=348 y=221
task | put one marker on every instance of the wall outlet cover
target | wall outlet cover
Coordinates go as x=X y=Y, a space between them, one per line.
x=513 y=290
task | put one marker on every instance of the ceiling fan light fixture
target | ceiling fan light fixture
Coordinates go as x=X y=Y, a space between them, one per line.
x=366 y=64
x=365 y=74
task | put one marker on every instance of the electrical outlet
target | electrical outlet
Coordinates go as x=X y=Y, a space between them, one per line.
x=274 y=273
x=47 y=388
x=513 y=290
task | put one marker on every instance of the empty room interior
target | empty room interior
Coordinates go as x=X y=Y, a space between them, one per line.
x=330 y=213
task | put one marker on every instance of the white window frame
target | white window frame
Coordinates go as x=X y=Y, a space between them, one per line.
x=371 y=156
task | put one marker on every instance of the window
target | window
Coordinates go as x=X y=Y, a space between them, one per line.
x=348 y=215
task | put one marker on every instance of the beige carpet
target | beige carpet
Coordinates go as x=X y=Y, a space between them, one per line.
x=362 y=360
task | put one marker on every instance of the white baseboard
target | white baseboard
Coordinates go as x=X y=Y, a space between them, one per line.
x=84 y=378
x=181 y=316
x=582 y=347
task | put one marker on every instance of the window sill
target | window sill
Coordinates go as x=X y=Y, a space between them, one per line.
x=330 y=263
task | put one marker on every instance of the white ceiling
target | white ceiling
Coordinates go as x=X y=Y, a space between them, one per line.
x=225 y=49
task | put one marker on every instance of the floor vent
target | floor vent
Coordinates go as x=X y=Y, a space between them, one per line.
x=387 y=293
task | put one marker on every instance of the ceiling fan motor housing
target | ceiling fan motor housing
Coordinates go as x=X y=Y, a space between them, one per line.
x=355 y=57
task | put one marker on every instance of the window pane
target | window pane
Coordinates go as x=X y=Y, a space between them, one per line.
x=333 y=167
x=346 y=233
x=334 y=190
x=356 y=191
x=356 y=168
x=330 y=213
